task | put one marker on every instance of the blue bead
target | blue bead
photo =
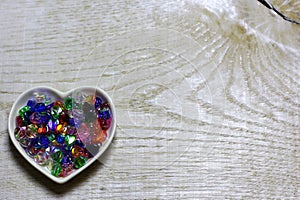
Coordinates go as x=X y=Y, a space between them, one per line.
x=104 y=114
x=72 y=122
x=40 y=107
x=60 y=138
x=49 y=106
x=98 y=102
x=44 y=141
x=45 y=118
x=31 y=104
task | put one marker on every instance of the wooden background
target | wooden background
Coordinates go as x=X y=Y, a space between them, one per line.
x=206 y=92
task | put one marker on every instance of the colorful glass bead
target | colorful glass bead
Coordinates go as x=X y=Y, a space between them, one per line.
x=57 y=156
x=19 y=121
x=104 y=112
x=68 y=103
x=56 y=169
x=41 y=157
x=99 y=137
x=30 y=150
x=70 y=139
x=60 y=128
x=63 y=118
x=40 y=107
x=31 y=131
x=43 y=129
x=71 y=130
x=42 y=142
x=105 y=123
x=23 y=110
x=20 y=132
x=31 y=103
x=79 y=162
x=60 y=138
x=55 y=112
x=77 y=151
x=35 y=118
x=52 y=124
x=98 y=102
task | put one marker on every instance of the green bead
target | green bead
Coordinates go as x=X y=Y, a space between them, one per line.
x=70 y=139
x=56 y=111
x=23 y=110
x=57 y=156
x=68 y=103
x=79 y=162
x=56 y=169
x=51 y=137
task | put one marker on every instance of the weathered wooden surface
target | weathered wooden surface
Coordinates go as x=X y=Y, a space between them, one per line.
x=207 y=95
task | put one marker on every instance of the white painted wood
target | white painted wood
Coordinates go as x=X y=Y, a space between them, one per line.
x=206 y=92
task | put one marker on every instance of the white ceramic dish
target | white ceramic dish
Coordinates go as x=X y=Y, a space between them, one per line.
x=22 y=100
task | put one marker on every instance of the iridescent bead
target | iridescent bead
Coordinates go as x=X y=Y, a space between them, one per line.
x=79 y=162
x=24 y=142
x=20 y=132
x=66 y=170
x=70 y=139
x=31 y=131
x=56 y=169
x=71 y=130
x=69 y=103
x=57 y=156
x=40 y=107
x=41 y=157
x=77 y=151
x=35 y=118
x=23 y=110
x=60 y=104
x=30 y=150
x=52 y=124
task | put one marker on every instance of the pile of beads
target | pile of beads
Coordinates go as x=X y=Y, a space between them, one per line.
x=58 y=134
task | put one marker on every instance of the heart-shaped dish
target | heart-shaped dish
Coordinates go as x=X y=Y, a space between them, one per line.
x=53 y=94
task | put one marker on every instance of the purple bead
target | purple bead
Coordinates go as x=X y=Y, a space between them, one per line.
x=40 y=107
x=52 y=124
x=35 y=118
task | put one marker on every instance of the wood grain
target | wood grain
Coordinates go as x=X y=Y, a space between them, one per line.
x=206 y=92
